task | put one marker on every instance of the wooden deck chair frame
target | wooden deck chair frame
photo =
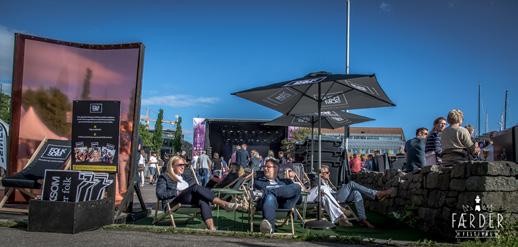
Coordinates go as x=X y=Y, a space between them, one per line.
x=169 y=211
x=26 y=191
x=288 y=218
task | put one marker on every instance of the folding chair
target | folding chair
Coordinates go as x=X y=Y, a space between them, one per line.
x=169 y=211
x=50 y=154
x=177 y=208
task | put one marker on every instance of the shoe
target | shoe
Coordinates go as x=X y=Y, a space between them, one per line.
x=233 y=206
x=265 y=227
x=367 y=224
x=343 y=222
x=384 y=194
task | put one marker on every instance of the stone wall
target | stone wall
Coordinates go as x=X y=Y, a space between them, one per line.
x=430 y=196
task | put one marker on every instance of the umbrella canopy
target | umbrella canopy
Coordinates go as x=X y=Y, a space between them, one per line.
x=337 y=91
x=330 y=120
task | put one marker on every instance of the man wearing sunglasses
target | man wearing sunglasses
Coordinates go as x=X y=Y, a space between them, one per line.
x=276 y=193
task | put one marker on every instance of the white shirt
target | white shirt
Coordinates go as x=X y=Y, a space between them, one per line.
x=182 y=185
x=153 y=161
x=141 y=160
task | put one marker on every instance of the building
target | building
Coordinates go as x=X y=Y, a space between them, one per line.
x=365 y=140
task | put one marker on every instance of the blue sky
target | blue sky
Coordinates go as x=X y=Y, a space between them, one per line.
x=429 y=56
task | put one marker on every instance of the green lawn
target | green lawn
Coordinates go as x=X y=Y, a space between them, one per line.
x=385 y=228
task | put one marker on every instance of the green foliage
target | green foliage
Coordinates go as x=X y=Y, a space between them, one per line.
x=157 y=135
x=51 y=106
x=145 y=135
x=5 y=107
x=288 y=146
x=177 y=143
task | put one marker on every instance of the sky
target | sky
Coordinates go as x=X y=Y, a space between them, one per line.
x=429 y=56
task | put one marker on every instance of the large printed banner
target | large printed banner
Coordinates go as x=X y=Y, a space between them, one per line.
x=74 y=186
x=95 y=135
x=198 y=143
x=4 y=129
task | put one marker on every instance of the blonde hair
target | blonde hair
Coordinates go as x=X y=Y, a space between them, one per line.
x=170 y=170
x=455 y=116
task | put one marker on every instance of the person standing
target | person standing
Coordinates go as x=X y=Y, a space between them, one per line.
x=355 y=164
x=217 y=166
x=204 y=165
x=414 y=148
x=141 y=167
x=433 y=141
x=152 y=166
x=242 y=156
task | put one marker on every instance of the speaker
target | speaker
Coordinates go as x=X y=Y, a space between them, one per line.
x=505 y=145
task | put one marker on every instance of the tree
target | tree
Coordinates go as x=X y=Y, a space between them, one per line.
x=5 y=106
x=51 y=106
x=157 y=135
x=145 y=135
x=298 y=135
x=177 y=143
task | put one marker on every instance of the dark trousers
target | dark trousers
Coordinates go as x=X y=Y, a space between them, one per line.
x=197 y=196
x=283 y=197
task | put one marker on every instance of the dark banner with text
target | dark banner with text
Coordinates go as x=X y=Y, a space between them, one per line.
x=74 y=186
x=95 y=135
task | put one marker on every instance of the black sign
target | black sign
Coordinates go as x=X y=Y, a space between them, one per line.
x=74 y=186
x=95 y=135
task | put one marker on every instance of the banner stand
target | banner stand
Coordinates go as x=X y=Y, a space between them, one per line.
x=72 y=217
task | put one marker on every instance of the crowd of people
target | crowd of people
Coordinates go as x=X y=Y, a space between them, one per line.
x=446 y=146
x=277 y=185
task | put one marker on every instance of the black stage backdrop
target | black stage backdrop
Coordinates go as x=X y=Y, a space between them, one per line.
x=223 y=134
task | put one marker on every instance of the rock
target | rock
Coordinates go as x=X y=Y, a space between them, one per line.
x=452 y=194
x=432 y=180
x=432 y=168
x=451 y=202
x=498 y=201
x=444 y=181
x=436 y=198
x=417 y=200
x=458 y=184
x=477 y=183
x=483 y=168
x=458 y=171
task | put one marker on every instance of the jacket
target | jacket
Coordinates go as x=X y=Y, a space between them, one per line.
x=166 y=187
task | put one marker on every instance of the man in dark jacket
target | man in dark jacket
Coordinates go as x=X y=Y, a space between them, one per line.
x=277 y=193
x=414 y=148
x=242 y=156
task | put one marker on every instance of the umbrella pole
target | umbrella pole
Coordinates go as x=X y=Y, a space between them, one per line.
x=319 y=223
x=312 y=142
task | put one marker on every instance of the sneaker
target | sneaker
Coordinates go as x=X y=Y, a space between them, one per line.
x=343 y=222
x=266 y=227
x=233 y=206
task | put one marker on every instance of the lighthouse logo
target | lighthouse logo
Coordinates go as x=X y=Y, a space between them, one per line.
x=477 y=221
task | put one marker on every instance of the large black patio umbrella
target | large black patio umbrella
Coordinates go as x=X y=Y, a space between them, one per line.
x=317 y=92
x=330 y=120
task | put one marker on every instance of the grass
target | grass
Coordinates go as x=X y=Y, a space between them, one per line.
x=387 y=229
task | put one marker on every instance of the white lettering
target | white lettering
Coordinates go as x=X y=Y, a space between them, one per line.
x=54 y=188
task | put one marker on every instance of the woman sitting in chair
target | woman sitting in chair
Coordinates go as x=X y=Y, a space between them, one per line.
x=175 y=187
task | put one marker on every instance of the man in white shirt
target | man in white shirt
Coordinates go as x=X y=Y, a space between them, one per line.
x=204 y=165
x=152 y=170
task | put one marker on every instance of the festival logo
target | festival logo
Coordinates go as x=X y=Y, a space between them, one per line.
x=478 y=221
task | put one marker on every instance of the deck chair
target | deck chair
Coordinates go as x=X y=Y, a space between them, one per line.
x=50 y=154
x=170 y=210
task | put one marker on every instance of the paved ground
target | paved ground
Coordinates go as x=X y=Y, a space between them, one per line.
x=16 y=237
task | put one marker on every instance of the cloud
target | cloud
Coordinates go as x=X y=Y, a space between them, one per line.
x=180 y=100
x=6 y=53
x=385 y=7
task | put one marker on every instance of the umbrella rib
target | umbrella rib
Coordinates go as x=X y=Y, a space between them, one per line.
x=368 y=94
x=343 y=92
x=302 y=94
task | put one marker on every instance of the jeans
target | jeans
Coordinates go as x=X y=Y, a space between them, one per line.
x=352 y=192
x=196 y=195
x=283 y=197
x=203 y=175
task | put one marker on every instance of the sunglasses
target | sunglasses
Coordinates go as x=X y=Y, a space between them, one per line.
x=270 y=167
x=180 y=165
x=325 y=172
